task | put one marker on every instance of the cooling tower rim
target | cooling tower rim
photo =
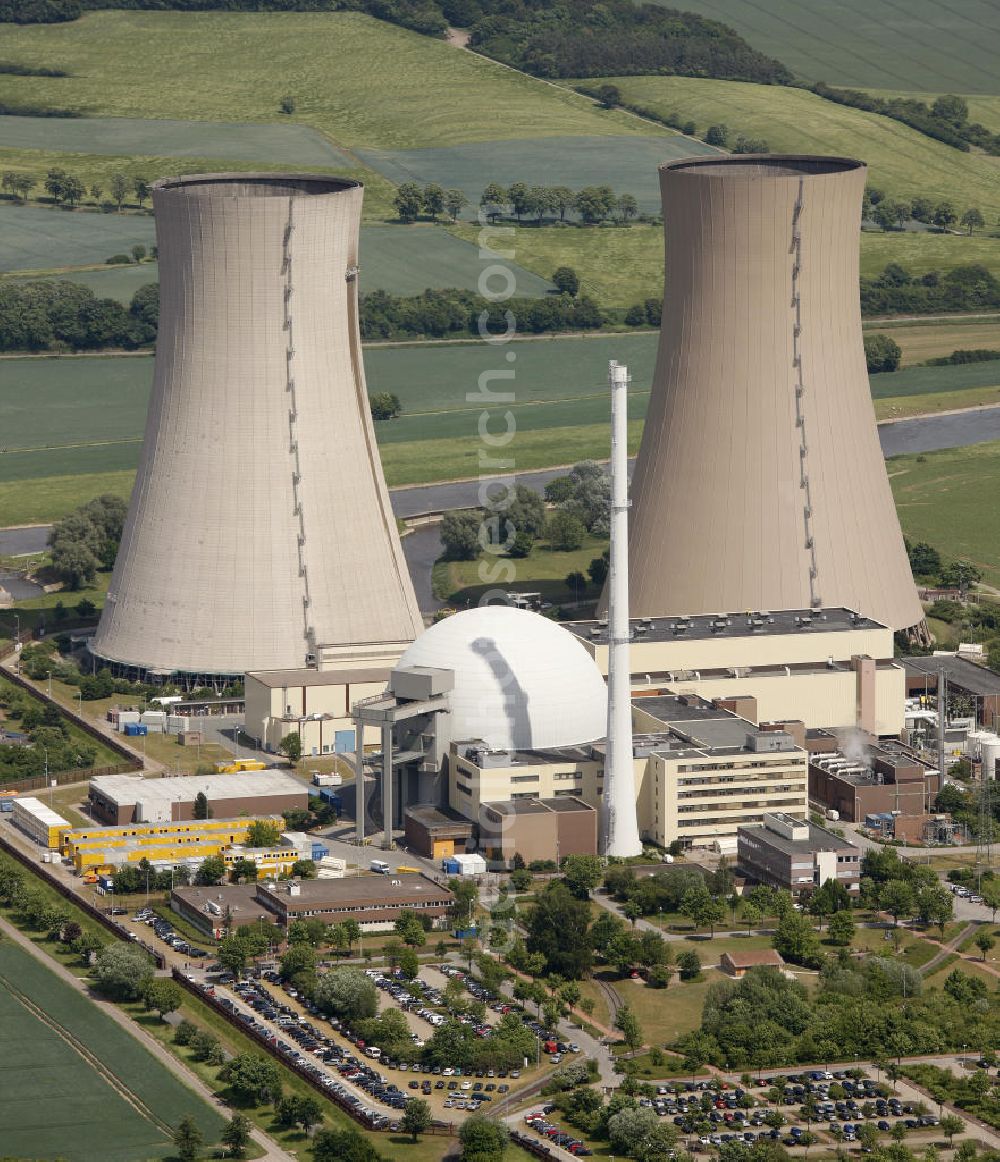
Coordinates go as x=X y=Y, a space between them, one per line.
x=757 y=165
x=255 y=185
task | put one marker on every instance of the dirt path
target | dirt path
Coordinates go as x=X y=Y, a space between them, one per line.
x=947 y=949
x=272 y=1151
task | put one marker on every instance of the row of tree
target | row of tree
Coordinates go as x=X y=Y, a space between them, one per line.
x=896 y=291
x=58 y=315
x=431 y=201
x=592 y=204
x=894 y=213
x=66 y=189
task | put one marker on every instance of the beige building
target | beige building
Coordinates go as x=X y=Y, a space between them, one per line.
x=314 y=704
x=700 y=772
x=760 y=482
x=826 y=668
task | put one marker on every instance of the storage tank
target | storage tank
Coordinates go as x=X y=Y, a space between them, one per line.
x=760 y=482
x=259 y=534
x=974 y=743
x=990 y=752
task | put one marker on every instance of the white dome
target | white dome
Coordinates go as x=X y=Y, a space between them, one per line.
x=521 y=681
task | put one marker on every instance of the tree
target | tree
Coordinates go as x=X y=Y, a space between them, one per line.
x=189 y=1140
x=973 y=219
x=951 y=1125
x=950 y=108
x=842 y=928
x=984 y=942
x=416 y=1117
x=243 y=871
x=119 y=189
x=519 y=198
x=303 y=869
x=76 y=563
x=384 y=405
x=347 y=993
x=566 y=280
x=562 y=199
x=211 y=872
x=162 y=996
x=961 y=575
x=627 y=207
x=254 y=1080
x=628 y=1024
x=944 y=215
x=493 y=200
x=576 y=583
x=73 y=190
x=288 y=105
x=689 y=964
x=896 y=898
x=432 y=199
x=558 y=927
x=343 y=1146
x=455 y=201
x=564 y=532
x=599 y=567
x=291 y=747
x=582 y=874
x=595 y=203
x=263 y=833
x=991 y=893
x=201 y=807
x=609 y=96
x=408 y=201
x=482 y=1137
x=461 y=534
x=138 y=252
x=142 y=188
x=121 y=971
x=882 y=353
x=236 y=1135
x=795 y=939
x=717 y=135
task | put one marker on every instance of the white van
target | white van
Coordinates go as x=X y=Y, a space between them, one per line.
x=373 y=1051
x=380 y=866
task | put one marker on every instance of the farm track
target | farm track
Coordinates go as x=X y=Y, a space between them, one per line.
x=91 y=1058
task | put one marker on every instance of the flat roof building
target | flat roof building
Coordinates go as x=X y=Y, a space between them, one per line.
x=888 y=777
x=538 y=829
x=436 y=832
x=120 y=799
x=795 y=855
x=38 y=821
x=213 y=910
x=375 y=902
x=964 y=677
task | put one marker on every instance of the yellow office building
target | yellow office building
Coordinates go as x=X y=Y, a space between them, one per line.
x=90 y=847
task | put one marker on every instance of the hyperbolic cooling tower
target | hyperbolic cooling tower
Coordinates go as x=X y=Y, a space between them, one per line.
x=259 y=534
x=760 y=483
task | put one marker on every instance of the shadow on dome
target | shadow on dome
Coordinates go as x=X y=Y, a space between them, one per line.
x=515 y=697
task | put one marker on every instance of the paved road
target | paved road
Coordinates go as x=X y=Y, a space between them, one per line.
x=422 y=547
x=932 y=433
x=15 y=542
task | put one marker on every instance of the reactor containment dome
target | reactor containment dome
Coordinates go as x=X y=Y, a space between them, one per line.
x=522 y=682
x=760 y=482
x=259 y=534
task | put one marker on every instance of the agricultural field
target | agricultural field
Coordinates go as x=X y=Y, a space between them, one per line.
x=922 y=45
x=360 y=81
x=902 y=161
x=906 y=406
x=946 y=499
x=920 y=380
x=286 y=143
x=36 y=238
x=112 y=282
x=55 y=1101
x=923 y=341
x=627 y=164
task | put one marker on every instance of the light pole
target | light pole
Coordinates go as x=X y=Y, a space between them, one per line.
x=50 y=684
x=17 y=644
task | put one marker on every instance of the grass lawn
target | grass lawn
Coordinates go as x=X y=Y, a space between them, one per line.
x=924 y=380
x=945 y=498
x=664 y=1014
x=543 y=571
x=922 y=45
x=923 y=341
x=359 y=80
x=628 y=164
x=112 y=282
x=55 y=1102
x=902 y=161
x=899 y=407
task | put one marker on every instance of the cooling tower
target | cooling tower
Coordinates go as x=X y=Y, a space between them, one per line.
x=760 y=483
x=259 y=534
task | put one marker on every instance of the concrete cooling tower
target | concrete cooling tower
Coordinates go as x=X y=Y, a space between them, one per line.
x=760 y=483
x=259 y=535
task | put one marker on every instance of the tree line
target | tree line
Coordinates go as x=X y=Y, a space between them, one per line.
x=58 y=315
x=592 y=204
x=894 y=213
x=947 y=119
x=896 y=291
x=69 y=190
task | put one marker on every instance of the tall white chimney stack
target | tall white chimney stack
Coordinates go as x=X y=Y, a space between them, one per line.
x=620 y=824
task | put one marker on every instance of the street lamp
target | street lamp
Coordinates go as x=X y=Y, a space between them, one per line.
x=49 y=672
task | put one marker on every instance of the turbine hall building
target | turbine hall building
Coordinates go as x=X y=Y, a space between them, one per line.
x=259 y=534
x=760 y=482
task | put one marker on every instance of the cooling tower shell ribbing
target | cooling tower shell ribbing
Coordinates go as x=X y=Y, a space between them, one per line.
x=259 y=530
x=760 y=482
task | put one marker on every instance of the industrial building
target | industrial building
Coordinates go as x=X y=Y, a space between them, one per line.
x=314 y=704
x=884 y=778
x=170 y=843
x=436 y=832
x=966 y=679
x=796 y=855
x=121 y=799
x=375 y=902
x=259 y=534
x=760 y=482
x=826 y=667
x=38 y=821
x=216 y=910
x=538 y=829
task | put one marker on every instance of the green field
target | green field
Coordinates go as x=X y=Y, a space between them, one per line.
x=898 y=407
x=983 y=107
x=902 y=161
x=53 y=1101
x=113 y=282
x=281 y=144
x=946 y=499
x=918 y=380
x=359 y=80
x=922 y=341
x=922 y=44
x=628 y=164
x=36 y=238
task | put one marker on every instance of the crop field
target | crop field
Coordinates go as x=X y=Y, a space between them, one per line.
x=628 y=164
x=902 y=161
x=925 y=45
x=53 y=1100
x=946 y=499
x=34 y=238
x=919 y=380
x=898 y=407
x=359 y=80
x=112 y=282
x=285 y=144
x=921 y=341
